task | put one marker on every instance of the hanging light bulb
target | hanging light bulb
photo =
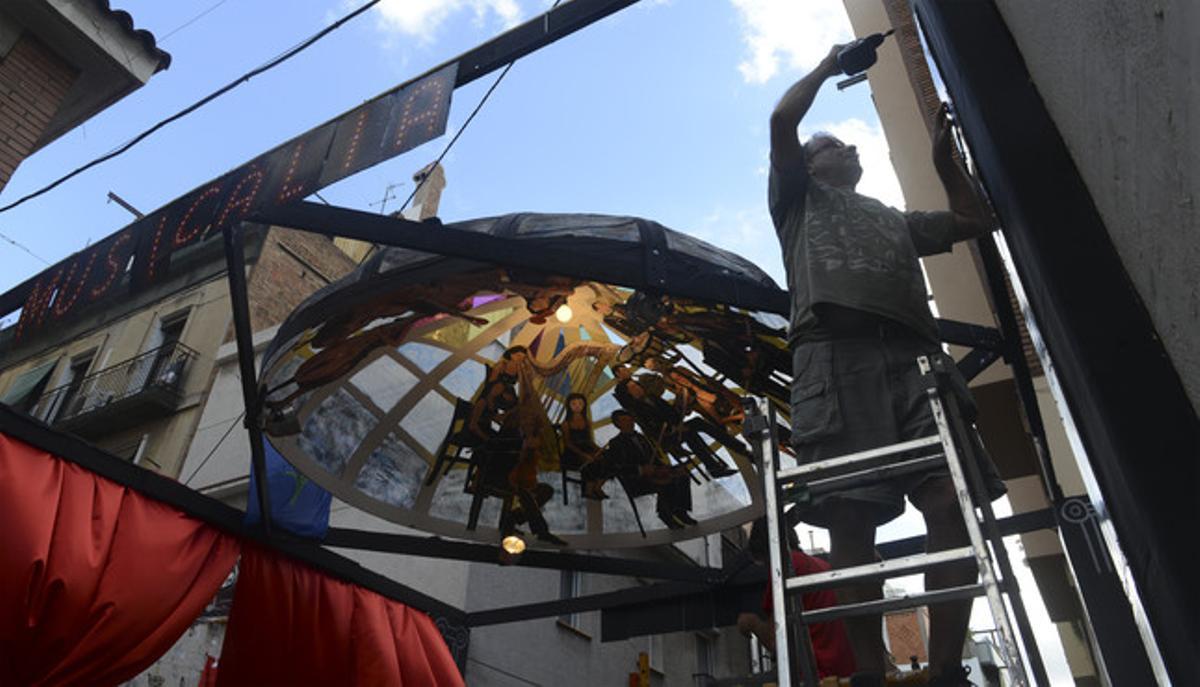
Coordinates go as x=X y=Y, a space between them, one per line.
x=513 y=545
x=564 y=313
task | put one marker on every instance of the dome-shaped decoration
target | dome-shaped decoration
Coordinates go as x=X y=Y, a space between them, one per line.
x=477 y=401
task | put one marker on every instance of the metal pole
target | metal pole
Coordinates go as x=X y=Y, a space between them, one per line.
x=1009 y=579
x=797 y=627
x=986 y=571
x=235 y=260
x=993 y=272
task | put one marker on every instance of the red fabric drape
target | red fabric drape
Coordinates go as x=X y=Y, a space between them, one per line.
x=292 y=625
x=96 y=581
x=208 y=676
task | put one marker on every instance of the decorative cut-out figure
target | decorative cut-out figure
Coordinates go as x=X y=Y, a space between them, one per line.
x=632 y=459
x=720 y=410
x=579 y=444
x=661 y=421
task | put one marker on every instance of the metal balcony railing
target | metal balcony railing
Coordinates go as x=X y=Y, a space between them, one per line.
x=123 y=392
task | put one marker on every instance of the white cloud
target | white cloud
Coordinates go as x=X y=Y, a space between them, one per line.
x=422 y=18
x=797 y=33
x=879 y=177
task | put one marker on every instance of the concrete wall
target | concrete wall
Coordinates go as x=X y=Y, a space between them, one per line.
x=119 y=340
x=184 y=662
x=547 y=651
x=1120 y=80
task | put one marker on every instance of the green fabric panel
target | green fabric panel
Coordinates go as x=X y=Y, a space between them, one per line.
x=27 y=382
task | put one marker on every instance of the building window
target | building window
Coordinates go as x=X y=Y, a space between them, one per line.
x=158 y=363
x=130 y=450
x=68 y=395
x=568 y=588
x=170 y=331
x=654 y=649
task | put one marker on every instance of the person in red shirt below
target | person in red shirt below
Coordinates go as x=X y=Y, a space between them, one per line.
x=830 y=643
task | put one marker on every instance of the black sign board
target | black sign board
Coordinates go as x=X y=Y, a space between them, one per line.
x=381 y=128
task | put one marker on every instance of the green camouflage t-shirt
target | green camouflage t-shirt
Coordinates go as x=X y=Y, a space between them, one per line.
x=846 y=249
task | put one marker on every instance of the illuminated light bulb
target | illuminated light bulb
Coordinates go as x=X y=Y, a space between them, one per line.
x=564 y=313
x=513 y=545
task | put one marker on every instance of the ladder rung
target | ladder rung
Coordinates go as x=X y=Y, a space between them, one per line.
x=884 y=569
x=851 y=461
x=875 y=474
x=898 y=603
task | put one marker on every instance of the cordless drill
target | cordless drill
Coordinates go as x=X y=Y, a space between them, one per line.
x=856 y=57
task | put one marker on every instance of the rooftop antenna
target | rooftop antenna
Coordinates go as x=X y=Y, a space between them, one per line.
x=387 y=195
x=114 y=198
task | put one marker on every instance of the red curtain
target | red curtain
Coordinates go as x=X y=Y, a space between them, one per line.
x=208 y=676
x=292 y=625
x=96 y=581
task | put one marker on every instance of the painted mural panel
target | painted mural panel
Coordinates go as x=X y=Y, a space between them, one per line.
x=478 y=401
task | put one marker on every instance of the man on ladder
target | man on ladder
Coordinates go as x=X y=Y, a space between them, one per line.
x=859 y=320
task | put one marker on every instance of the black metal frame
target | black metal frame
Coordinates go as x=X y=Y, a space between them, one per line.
x=1129 y=405
x=434 y=238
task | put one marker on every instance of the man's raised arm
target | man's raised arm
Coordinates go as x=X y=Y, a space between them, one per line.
x=785 y=144
x=971 y=219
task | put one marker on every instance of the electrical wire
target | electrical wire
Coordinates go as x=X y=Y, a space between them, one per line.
x=214 y=448
x=458 y=133
x=195 y=106
x=23 y=247
x=189 y=22
x=462 y=128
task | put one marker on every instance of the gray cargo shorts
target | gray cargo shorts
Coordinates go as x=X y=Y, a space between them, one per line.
x=856 y=394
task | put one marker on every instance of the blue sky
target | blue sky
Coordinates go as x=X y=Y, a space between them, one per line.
x=659 y=111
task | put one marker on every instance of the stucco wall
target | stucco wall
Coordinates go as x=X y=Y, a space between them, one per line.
x=1119 y=79
x=119 y=340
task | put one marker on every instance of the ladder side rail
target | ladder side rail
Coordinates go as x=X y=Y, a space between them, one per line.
x=966 y=505
x=794 y=621
x=991 y=530
x=763 y=454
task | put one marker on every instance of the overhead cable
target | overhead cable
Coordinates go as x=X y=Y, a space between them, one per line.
x=23 y=247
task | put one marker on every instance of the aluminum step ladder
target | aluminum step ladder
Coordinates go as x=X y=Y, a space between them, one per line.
x=794 y=656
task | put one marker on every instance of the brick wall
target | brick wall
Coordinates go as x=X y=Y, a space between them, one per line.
x=33 y=83
x=292 y=266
